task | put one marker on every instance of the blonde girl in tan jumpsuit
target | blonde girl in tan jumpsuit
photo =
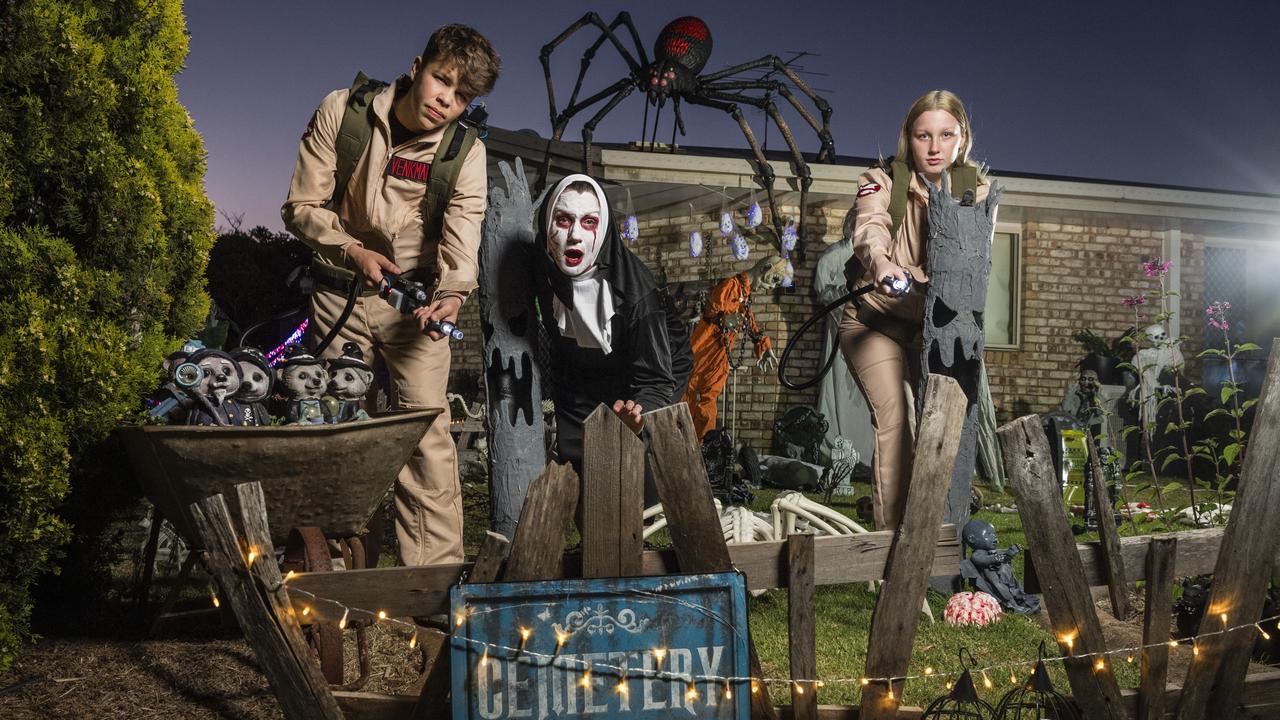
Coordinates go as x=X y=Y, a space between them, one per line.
x=881 y=339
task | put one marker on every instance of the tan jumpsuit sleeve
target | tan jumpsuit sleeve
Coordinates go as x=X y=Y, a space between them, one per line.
x=313 y=182
x=872 y=225
x=460 y=238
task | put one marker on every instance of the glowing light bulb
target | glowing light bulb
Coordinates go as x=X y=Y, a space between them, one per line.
x=288 y=576
x=524 y=635
x=986 y=681
x=1224 y=618
x=864 y=681
x=484 y=658
x=928 y=670
x=622 y=687
x=1100 y=665
x=561 y=637
x=820 y=684
x=1195 y=649
x=692 y=693
x=461 y=618
x=1265 y=636
x=253 y=555
x=891 y=696
x=658 y=654
x=216 y=601
x=1129 y=658
x=754 y=687
x=1070 y=642
x=1173 y=643
x=1013 y=679
x=306 y=610
x=342 y=624
x=799 y=689
x=586 y=679
x=382 y=614
x=728 y=692
x=950 y=683
x=413 y=640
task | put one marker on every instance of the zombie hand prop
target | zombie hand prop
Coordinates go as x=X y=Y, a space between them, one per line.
x=767 y=360
x=629 y=412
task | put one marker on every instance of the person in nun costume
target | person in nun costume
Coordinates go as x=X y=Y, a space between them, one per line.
x=613 y=339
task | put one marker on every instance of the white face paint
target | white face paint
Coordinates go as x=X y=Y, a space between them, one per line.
x=575 y=232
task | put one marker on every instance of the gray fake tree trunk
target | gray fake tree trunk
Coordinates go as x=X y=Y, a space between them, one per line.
x=956 y=296
x=513 y=377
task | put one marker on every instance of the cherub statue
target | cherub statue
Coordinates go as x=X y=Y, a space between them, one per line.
x=220 y=378
x=350 y=378
x=1161 y=353
x=990 y=568
x=255 y=386
x=728 y=312
x=304 y=380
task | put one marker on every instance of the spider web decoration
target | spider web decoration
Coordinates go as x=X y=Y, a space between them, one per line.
x=681 y=51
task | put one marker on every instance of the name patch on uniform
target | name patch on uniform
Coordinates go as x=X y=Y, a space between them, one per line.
x=407 y=169
x=868 y=189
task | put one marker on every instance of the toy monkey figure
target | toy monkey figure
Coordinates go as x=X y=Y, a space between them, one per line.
x=727 y=312
x=219 y=381
x=350 y=378
x=255 y=386
x=304 y=380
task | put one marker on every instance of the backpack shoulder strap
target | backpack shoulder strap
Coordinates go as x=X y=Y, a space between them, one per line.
x=445 y=167
x=963 y=178
x=353 y=133
x=901 y=176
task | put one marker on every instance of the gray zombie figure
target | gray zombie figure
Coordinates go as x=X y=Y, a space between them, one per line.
x=839 y=399
x=512 y=348
x=990 y=568
x=955 y=298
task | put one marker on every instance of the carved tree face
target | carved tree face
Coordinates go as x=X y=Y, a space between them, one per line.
x=350 y=383
x=304 y=382
x=221 y=378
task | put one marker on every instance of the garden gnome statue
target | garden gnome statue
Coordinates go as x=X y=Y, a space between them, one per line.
x=255 y=386
x=990 y=568
x=304 y=380
x=219 y=380
x=728 y=312
x=349 y=381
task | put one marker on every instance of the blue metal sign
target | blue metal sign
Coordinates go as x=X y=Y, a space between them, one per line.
x=671 y=646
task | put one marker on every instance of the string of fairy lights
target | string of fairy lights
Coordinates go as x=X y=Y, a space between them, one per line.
x=496 y=652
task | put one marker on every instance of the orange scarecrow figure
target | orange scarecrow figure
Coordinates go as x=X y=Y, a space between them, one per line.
x=726 y=313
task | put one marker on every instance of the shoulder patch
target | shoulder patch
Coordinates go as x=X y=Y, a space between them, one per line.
x=869 y=189
x=311 y=126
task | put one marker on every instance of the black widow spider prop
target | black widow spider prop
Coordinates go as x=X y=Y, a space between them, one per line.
x=680 y=52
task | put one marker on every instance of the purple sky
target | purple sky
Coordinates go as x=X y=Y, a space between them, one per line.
x=1176 y=92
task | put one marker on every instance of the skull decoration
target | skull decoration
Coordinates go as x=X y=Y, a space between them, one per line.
x=349 y=381
x=1156 y=334
x=770 y=272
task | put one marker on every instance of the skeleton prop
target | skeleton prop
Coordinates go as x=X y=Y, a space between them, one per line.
x=959 y=260
x=1162 y=354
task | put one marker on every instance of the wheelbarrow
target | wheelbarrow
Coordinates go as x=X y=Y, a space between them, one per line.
x=322 y=483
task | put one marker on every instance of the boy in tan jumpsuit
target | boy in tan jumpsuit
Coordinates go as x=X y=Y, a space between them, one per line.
x=376 y=227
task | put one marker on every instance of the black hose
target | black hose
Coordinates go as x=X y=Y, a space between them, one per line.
x=342 y=319
x=835 y=347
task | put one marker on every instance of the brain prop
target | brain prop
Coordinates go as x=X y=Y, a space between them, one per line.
x=972 y=608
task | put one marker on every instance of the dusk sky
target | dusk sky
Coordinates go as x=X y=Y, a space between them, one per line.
x=1174 y=93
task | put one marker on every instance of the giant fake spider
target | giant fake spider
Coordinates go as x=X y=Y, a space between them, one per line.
x=680 y=52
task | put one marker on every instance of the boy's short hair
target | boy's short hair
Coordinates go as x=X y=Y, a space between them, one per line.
x=471 y=55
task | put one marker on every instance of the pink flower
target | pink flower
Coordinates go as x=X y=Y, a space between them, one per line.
x=1135 y=301
x=1157 y=268
x=1217 y=313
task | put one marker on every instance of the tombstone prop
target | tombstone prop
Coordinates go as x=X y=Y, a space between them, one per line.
x=513 y=350
x=955 y=298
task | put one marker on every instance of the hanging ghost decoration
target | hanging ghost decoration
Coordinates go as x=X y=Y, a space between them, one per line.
x=789 y=237
x=695 y=244
x=726 y=224
x=754 y=215
x=789 y=279
x=630 y=224
x=740 y=248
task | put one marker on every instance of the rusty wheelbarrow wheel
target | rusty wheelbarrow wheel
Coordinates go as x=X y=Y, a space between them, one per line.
x=308 y=551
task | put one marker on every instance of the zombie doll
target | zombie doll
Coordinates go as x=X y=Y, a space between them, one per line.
x=990 y=568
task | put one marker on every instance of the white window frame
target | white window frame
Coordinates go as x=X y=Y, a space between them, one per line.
x=1015 y=289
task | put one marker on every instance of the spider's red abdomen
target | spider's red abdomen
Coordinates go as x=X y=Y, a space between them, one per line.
x=686 y=41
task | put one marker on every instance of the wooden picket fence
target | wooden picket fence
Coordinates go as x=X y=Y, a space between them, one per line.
x=1243 y=553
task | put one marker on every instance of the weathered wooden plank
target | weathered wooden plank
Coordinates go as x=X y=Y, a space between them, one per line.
x=897 y=612
x=1197 y=554
x=1071 y=612
x=684 y=490
x=612 y=504
x=1259 y=698
x=433 y=700
x=685 y=494
x=1109 y=539
x=297 y=683
x=802 y=628
x=424 y=590
x=538 y=547
x=1157 y=614
x=1244 y=565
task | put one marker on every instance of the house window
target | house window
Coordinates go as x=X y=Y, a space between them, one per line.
x=1243 y=274
x=1004 y=291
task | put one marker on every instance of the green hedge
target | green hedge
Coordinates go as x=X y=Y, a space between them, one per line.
x=104 y=235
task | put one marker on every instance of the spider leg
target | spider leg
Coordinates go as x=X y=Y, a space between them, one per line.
x=763 y=169
x=828 y=151
x=562 y=120
x=559 y=119
x=679 y=121
x=588 y=129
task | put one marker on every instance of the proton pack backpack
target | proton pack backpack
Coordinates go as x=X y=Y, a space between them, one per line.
x=963 y=178
x=353 y=137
